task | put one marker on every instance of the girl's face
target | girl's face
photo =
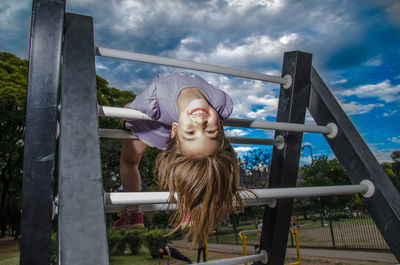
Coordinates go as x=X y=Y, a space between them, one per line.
x=197 y=129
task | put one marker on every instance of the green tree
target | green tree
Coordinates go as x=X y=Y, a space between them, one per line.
x=393 y=169
x=110 y=148
x=13 y=83
x=254 y=168
x=324 y=172
x=396 y=161
x=254 y=174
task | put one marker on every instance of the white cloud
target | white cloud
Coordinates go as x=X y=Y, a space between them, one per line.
x=384 y=91
x=389 y=113
x=9 y=11
x=309 y=120
x=305 y=160
x=395 y=139
x=392 y=7
x=381 y=150
x=269 y=133
x=254 y=49
x=270 y=5
x=236 y=132
x=243 y=149
x=353 y=107
x=125 y=67
x=101 y=66
x=258 y=114
x=375 y=61
x=383 y=155
x=341 y=81
x=289 y=38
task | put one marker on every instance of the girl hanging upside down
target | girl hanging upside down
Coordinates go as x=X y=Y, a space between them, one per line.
x=197 y=162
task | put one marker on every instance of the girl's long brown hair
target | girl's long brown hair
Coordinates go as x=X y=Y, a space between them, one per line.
x=205 y=187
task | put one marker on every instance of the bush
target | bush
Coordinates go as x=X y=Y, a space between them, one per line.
x=338 y=216
x=154 y=240
x=134 y=239
x=116 y=243
x=53 y=249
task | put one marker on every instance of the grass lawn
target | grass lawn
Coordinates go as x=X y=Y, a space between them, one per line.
x=144 y=258
x=9 y=255
x=9 y=251
x=231 y=239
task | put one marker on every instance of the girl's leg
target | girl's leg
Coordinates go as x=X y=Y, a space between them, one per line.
x=131 y=153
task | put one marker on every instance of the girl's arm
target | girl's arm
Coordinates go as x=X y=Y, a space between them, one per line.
x=123 y=120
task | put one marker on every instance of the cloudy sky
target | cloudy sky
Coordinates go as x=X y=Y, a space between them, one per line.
x=355 y=47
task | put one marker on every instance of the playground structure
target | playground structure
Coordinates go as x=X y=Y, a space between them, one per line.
x=62 y=39
x=243 y=236
x=295 y=232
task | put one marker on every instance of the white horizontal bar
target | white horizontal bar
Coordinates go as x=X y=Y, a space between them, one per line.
x=263 y=257
x=128 y=113
x=115 y=208
x=282 y=193
x=260 y=196
x=281 y=126
x=140 y=57
x=160 y=200
x=125 y=134
x=271 y=193
x=121 y=113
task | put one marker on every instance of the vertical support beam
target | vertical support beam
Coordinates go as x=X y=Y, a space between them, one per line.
x=358 y=162
x=285 y=163
x=81 y=221
x=40 y=130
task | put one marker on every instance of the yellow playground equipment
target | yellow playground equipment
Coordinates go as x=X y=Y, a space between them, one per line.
x=295 y=232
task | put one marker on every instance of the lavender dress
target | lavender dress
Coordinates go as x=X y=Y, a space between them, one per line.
x=159 y=101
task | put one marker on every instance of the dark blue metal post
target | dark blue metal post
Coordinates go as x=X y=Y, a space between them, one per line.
x=358 y=162
x=285 y=163
x=40 y=130
x=81 y=221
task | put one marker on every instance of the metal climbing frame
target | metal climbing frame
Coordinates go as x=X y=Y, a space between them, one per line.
x=40 y=130
x=284 y=163
x=81 y=220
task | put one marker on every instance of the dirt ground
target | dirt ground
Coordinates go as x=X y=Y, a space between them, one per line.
x=308 y=260
x=288 y=260
x=305 y=259
x=10 y=246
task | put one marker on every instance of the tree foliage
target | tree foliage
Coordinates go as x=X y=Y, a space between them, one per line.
x=13 y=82
x=254 y=174
x=110 y=148
x=324 y=172
x=13 y=91
x=254 y=168
x=392 y=169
